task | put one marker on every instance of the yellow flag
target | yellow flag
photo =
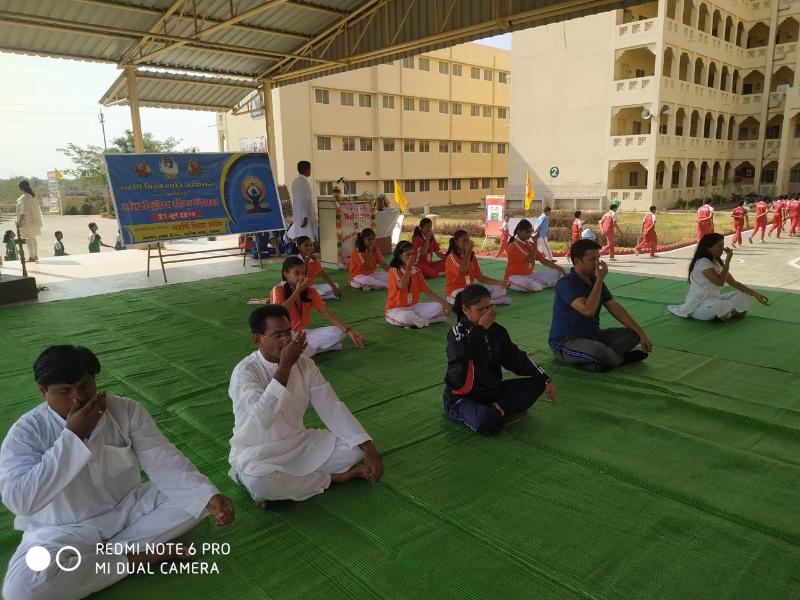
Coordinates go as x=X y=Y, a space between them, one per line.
x=399 y=198
x=529 y=194
x=59 y=175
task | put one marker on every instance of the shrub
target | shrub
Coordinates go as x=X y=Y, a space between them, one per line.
x=71 y=210
x=86 y=208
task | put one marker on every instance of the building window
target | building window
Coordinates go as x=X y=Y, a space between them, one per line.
x=424 y=146
x=388 y=145
x=424 y=105
x=424 y=64
x=322 y=97
x=347 y=98
x=475 y=73
x=348 y=144
x=487 y=111
x=502 y=112
x=797 y=130
x=640 y=73
x=443 y=183
x=424 y=185
x=365 y=100
x=455 y=184
x=408 y=145
x=444 y=107
x=501 y=183
x=409 y=185
x=487 y=148
x=473 y=183
x=350 y=187
x=768 y=176
x=323 y=143
x=794 y=176
x=637 y=127
x=444 y=67
x=456 y=70
x=325 y=188
x=474 y=147
x=388 y=187
x=408 y=62
x=456 y=147
x=365 y=144
x=502 y=77
x=773 y=132
x=455 y=108
x=474 y=110
x=408 y=104
x=487 y=75
x=501 y=148
x=444 y=147
x=388 y=102
x=486 y=183
x=633 y=179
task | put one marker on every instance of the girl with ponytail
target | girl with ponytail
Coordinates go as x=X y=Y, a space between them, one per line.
x=303 y=247
x=426 y=246
x=298 y=297
x=363 y=262
x=403 y=307
x=478 y=349
x=522 y=256
x=462 y=269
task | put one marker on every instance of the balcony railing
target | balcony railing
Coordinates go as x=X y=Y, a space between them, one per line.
x=639 y=83
x=633 y=32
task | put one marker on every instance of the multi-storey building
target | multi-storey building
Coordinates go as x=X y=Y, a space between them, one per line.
x=666 y=101
x=437 y=122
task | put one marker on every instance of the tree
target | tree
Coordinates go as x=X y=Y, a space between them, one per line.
x=151 y=144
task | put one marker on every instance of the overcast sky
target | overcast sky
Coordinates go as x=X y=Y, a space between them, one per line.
x=46 y=103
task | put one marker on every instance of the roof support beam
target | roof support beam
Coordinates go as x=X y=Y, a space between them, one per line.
x=158 y=24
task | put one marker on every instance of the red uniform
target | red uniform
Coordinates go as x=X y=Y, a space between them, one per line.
x=425 y=263
x=576 y=230
x=738 y=214
x=761 y=219
x=706 y=226
x=794 y=216
x=607 y=222
x=503 y=239
x=649 y=238
x=777 y=218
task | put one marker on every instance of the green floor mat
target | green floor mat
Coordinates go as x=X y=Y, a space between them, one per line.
x=674 y=478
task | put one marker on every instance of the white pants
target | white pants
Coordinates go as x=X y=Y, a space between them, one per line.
x=152 y=518
x=498 y=293
x=282 y=486
x=538 y=280
x=421 y=314
x=722 y=308
x=33 y=247
x=325 y=291
x=323 y=339
x=379 y=279
x=544 y=247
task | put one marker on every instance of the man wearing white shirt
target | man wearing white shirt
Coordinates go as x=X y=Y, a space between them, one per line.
x=70 y=472
x=304 y=217
x=272 y=454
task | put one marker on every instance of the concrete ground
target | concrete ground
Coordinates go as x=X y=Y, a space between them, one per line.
x=774 y=264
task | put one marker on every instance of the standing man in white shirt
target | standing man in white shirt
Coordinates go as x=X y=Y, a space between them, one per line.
x=304 y=215
x=70 y=472
x=272 y=454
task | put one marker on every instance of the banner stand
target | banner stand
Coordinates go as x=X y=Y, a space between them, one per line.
x=162 y=262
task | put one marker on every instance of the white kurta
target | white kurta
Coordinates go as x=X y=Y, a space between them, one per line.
x=29 y=206
x=303 y=208
x=704 y=300
x=268 y=432
x=66 y=491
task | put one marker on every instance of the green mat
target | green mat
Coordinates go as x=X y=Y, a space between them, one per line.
x=674 y=478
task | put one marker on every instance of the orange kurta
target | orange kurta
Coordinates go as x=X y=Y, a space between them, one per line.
x=518 y=262
x=457 y=280
x=408 y=295
x=358 y=263
x=300 y=312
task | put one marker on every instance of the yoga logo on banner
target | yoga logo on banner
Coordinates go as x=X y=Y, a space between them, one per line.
x=171 y=196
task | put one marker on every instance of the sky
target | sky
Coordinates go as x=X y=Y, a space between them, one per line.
x=46 y=103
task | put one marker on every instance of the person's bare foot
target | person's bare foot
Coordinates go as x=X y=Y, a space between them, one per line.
x=262 y=504
x=358 y=471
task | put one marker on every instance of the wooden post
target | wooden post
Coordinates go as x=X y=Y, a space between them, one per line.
x=133 y=98
x=269 y=123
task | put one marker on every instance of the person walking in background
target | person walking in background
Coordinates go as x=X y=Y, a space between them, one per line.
x=705 y=220
x=29 y=219
x=649 y=238
x=11 y=245
x=777 y=218
x=794 y=215
x=58 y=247
x=740 y=220
x=608 y=223
x=95 y=241
x=504 y=235
x=576 y=226
x=541 y=228
x=761 y=220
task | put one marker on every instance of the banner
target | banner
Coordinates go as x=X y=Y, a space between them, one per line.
x=351 y=218
x=172 y=196
x=495 y=213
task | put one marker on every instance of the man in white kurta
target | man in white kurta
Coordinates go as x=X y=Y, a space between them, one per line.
x=70 y=472
x=29 y=219
x=272 y=454
x=304 y=216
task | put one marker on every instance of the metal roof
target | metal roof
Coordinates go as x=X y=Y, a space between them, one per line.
x=280 y=41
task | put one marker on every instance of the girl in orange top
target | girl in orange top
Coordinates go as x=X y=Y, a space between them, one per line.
x=576 y=226
x=363 y=262
x=403 y=307
x=522 y=257
x=463 y=270
x=304 y=248
x=298 y=296
x=426 y=246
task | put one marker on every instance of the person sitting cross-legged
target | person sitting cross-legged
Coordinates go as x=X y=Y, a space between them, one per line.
x=575 y=334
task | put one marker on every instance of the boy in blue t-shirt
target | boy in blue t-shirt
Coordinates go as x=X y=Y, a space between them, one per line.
x=575 y=334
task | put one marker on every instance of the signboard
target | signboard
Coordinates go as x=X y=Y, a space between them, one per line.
x=495 y=212
x=351 y=219
x=54 y=189
x=172 y=196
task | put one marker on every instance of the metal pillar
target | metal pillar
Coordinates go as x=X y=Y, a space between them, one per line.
x=133 y=97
